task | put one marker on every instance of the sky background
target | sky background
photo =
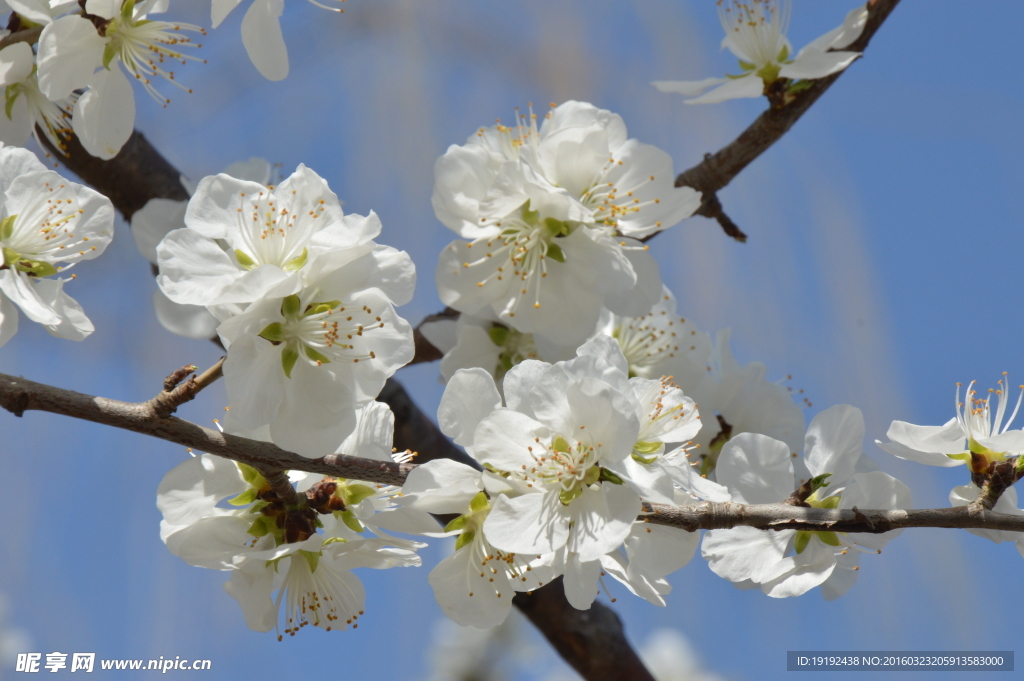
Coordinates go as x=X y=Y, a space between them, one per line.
x=883 y=265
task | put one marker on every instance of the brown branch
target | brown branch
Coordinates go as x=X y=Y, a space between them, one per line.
x=29 y=35
x=19 y=395
x=177 y=393
x=137 y=174
x=591 y=641
x=718 y=170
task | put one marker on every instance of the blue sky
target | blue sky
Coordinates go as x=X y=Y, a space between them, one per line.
x=882 y=267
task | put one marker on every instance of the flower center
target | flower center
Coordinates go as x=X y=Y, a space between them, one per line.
x=322 y=332
x=143 y=46
x=274 y=234
x=757 y=28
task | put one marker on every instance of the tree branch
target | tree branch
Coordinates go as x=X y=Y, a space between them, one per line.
x=718 y=170
x=591 y=641
x=18 y=395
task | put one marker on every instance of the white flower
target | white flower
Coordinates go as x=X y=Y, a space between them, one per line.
x=736 y=399
x=27 y=110
x=261 y=33
x=73 y=55
x=759 y=470
x=1007 y=503
x=306 y=362
x=48 y=224
x=755 y=31
x=555 y=442
x=151 y=223
x=976 y=436
x=480 y=340
x=475 y=585
x=272 y=547
x=278 y=239
x=552 y=216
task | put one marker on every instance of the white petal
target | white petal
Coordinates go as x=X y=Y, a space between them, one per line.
x=16 y=62
x=191 y=490
x=255 y=381
x=466 y=596
x=602 y=520
x=734 y=88
x=73 y=325
x=154 y=221
x=657 y=550
x=104 y=116
x=442 y=486
x=504 y=439
x=875 y=490
x=20 y=291
x=70 y=50
x=744 y=553
x=193 y=268
x=251 y=587
x=756 y=468
x=834 y=442
x=799 y=574
x=188 y=321
x=580 y=582
x=812 y=64
x=530 y=524
x=469 y=397
x=212 y=542
x=263 y=40
x=220 y=9
x=688 y=87
x=8 y=319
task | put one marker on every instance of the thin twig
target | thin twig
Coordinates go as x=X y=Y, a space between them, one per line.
x=19 y=395
x=177 y=393
x=718 y=170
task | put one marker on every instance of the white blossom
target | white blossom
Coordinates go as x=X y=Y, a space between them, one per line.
x=261 y=33
x=759 y=470
x=73 y=54
x=977 y=435
x=48 y=225
x=27 y=111
x=553 y=216
x=755 y=32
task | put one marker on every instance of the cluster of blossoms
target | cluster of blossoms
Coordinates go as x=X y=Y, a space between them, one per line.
x=305 y=299
x=78 y=79
x=303 y=551
x=978 y=437
x=47 y=225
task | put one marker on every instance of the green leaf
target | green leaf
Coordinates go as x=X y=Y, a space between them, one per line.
x=499 y=335
x=567 y=496
x=820 y=481
x=7 y=228
x=746 y=66
x=289 y=356
x=557 y=227
x=456 y=524
x=647 y=447
x=251 y=475
x=530 y=216
x=290 y=307
x=640 y=459
x=964 y=456
x=829 y=538
x=243 y=259
x=977 y=448
x=801 y=541
x=783 y=54
x=479 y=502
x=555 y=253
x=320 y=308
x=245 y=498
x=464 y=538
x=11 y=93
x=351 y=521
x=316 y=356
x=297 y=263
x=261 y=527
x=273 y=332
x=355 y=493
x=313 y=558
x=109 y=52
x=608 y=476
